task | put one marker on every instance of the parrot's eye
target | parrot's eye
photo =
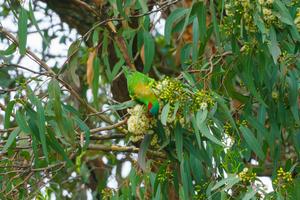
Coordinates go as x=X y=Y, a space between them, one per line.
x=149 y=106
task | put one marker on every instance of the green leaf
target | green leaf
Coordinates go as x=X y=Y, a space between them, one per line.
x=8 y=112
x=120 y=7
x=143 y=5
x=215 y=22
x=184 y=178
x=247 y=75
x=293 y=95
x=73 y=62
x=117 y=68
x=34 y=22
x=56 y=146
x=197 y=131
x=65 y=124
x=11 y=138
x=133 y=180
x=123 y=105
x=158 y=193
x=149 y=51
x=207 y=133
x=252 y=142
x=230 y=180
x=35 y=150
x=176 y=107
x=10 y=50
x=22 y=30
x=185 y=55
x=261 y=25
x=201 y=15
x=54 y=94
x=143 y=150
x=182 y=193
x=42 y=128
x=186 y=20
x=250 y=194
x=86 y=130
x=95 y=82
x=285 y=16
x=274 y=46
x=21 y=121
x=165 y=114
x=201 y=116
x=173 y=18
x=190 y=79
x=95 y=37
x=40 y=121
x=225 y=109
x=195 y=40
x=179 y=141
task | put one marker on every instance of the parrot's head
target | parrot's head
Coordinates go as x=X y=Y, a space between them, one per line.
x=153 y=108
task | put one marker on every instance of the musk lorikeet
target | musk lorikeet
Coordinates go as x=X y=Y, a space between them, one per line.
x=140 y=90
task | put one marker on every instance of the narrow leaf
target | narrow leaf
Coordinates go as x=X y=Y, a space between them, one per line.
x=174 y=17
x=179 y=141
x=34 y=22
x=201 y=116
x=86 y=130
x=274 y=46
x=21 y=121
x=250 y=194
x=22 y=30
x=225 y=181
x=40 y=121
x=252 y=142
x=143 y=150
x=10 y=50
x=149 y=51
x=8 y=112
x=285 y=16
x=12 y=136
x=207 y=133
x=165 y=113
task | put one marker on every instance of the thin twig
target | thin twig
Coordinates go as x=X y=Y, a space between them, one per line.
x=99 y=129
x=48 y=167
x=29 y=53
x=86 y=6
x=2 y=65
x=25 y=179
x=107 y=137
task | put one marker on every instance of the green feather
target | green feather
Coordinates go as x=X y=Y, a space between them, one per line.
x=139 y=89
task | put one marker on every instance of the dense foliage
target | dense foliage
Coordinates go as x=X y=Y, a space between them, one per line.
x=226 y=75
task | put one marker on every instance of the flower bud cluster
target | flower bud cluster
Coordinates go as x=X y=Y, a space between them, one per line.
x=202 y=100
x=283 y=178
x=240 y=15
x=200 y=191
x=237 y=11
x=107 y=193
x=170 y=90
x=247 y=176
x=165 y=174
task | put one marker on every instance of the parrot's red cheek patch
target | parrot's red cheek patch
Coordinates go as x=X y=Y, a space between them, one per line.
x=149 y=106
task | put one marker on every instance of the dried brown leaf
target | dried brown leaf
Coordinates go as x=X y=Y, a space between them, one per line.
x=89 y=67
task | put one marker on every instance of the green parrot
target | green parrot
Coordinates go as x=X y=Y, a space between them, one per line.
x=140 y=90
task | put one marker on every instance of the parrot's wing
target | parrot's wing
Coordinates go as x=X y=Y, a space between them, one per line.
x=143 y=93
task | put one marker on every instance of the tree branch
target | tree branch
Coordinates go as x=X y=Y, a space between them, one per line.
x=129 y=149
